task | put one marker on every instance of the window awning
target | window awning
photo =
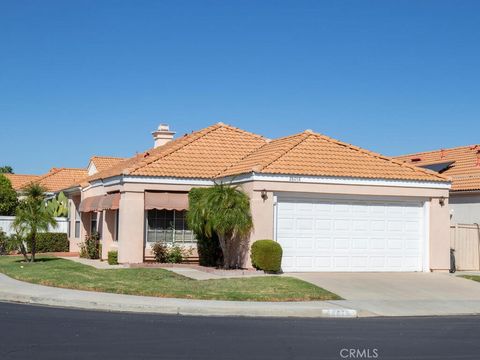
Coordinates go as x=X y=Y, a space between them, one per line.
x=100 y=202
x=110 y=202
x=90 y=204
x=166 y=201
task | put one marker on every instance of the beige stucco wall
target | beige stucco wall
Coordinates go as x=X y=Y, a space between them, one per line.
x=131 y=228
x=131 y=244
x=439 y=235
x=465 y=207
x=108 y=233
x=263 y=210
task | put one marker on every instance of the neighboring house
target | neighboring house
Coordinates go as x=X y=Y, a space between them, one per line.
x=18 y=181
x=59 y=178
x=56 y=180
x=100 y=163
x=462 y=165
x=331 y=205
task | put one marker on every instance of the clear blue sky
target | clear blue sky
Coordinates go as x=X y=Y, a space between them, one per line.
x=79 y=78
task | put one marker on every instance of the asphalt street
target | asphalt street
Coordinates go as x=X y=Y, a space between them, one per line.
x=34 y=332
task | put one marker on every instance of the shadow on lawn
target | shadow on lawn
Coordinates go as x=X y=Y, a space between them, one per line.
x=38 y=260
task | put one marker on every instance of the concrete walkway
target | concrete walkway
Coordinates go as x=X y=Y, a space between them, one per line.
x=192 y=272
x=102 y=265
x=19 y=291
x=401 y=294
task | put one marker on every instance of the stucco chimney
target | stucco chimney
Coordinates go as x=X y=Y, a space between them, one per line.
x=162 y=135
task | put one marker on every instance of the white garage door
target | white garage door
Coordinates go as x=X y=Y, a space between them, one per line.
x=350 y=235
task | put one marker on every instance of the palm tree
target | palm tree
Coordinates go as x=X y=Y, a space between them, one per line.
x=32 y=216
x=224 y=210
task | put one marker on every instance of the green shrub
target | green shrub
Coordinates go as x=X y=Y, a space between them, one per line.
x=113 y=257
x=160 y=252
x=266 y=255
x=8 y=197
x=3 y=242
x=175 y=255
x=52 y=242
x=90 y=248
x=168 y=254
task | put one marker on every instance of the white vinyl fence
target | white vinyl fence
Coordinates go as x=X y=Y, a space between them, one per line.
x=6 y=224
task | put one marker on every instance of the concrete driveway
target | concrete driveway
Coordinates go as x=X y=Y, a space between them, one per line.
x=401 y=294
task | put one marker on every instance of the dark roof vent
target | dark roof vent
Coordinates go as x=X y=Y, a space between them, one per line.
x=439 y=167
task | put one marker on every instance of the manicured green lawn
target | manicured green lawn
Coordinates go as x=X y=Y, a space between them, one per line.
x=58 y=272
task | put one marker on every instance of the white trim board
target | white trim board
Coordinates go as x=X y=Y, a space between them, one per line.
x=271 y=178
x=337 y=180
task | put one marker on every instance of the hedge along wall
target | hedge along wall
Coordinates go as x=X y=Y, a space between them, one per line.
x=52 y=242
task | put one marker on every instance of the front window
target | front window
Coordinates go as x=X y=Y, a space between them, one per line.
x=117 y=218
x=93 y=224
x=77 y=223
x=168 y=226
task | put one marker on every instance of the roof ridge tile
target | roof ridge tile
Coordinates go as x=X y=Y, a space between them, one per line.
x=437 y=150
x=382 y=157
x=192 y=137
x=305 y=135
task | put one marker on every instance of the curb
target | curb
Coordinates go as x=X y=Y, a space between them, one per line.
x=282 y=310
x=16 y=291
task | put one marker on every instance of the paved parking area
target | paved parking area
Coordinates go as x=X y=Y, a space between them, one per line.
x=398 y=294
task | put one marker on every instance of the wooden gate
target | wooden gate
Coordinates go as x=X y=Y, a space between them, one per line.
x=465 y=240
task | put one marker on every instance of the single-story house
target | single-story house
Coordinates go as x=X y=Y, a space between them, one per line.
x=53 y=181
x=462 y=165
x=18 y=181
x=100 y=163
x=331 y=205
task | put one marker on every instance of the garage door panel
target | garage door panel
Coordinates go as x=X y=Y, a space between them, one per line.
x=323 y=207
x=360 y=243
x=323 y=244
x=305 y=262
x=323 y=262
x=350 y=235
x=377 y=225
x=323 y=224
x=394 y=244
x=305 y=243
x=304 y=224
x=359 y=261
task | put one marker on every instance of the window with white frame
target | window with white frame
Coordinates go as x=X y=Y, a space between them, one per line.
x=168 y=226
x=93 y=223
x=117 y=218
x=77 y=223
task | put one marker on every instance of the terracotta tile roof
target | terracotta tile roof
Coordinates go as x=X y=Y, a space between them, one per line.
x=309 y=153
x=222 y=150
x=464 y=172
x=104 y=162
x=61 y=178
x=201 y=154
x=19 y=180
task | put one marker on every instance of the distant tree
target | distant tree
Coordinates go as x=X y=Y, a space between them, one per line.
x=6 y=169
x=8 y=197
x=32 y=217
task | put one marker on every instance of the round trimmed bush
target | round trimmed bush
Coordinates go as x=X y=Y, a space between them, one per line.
x=266 y=255
x=113 y=257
